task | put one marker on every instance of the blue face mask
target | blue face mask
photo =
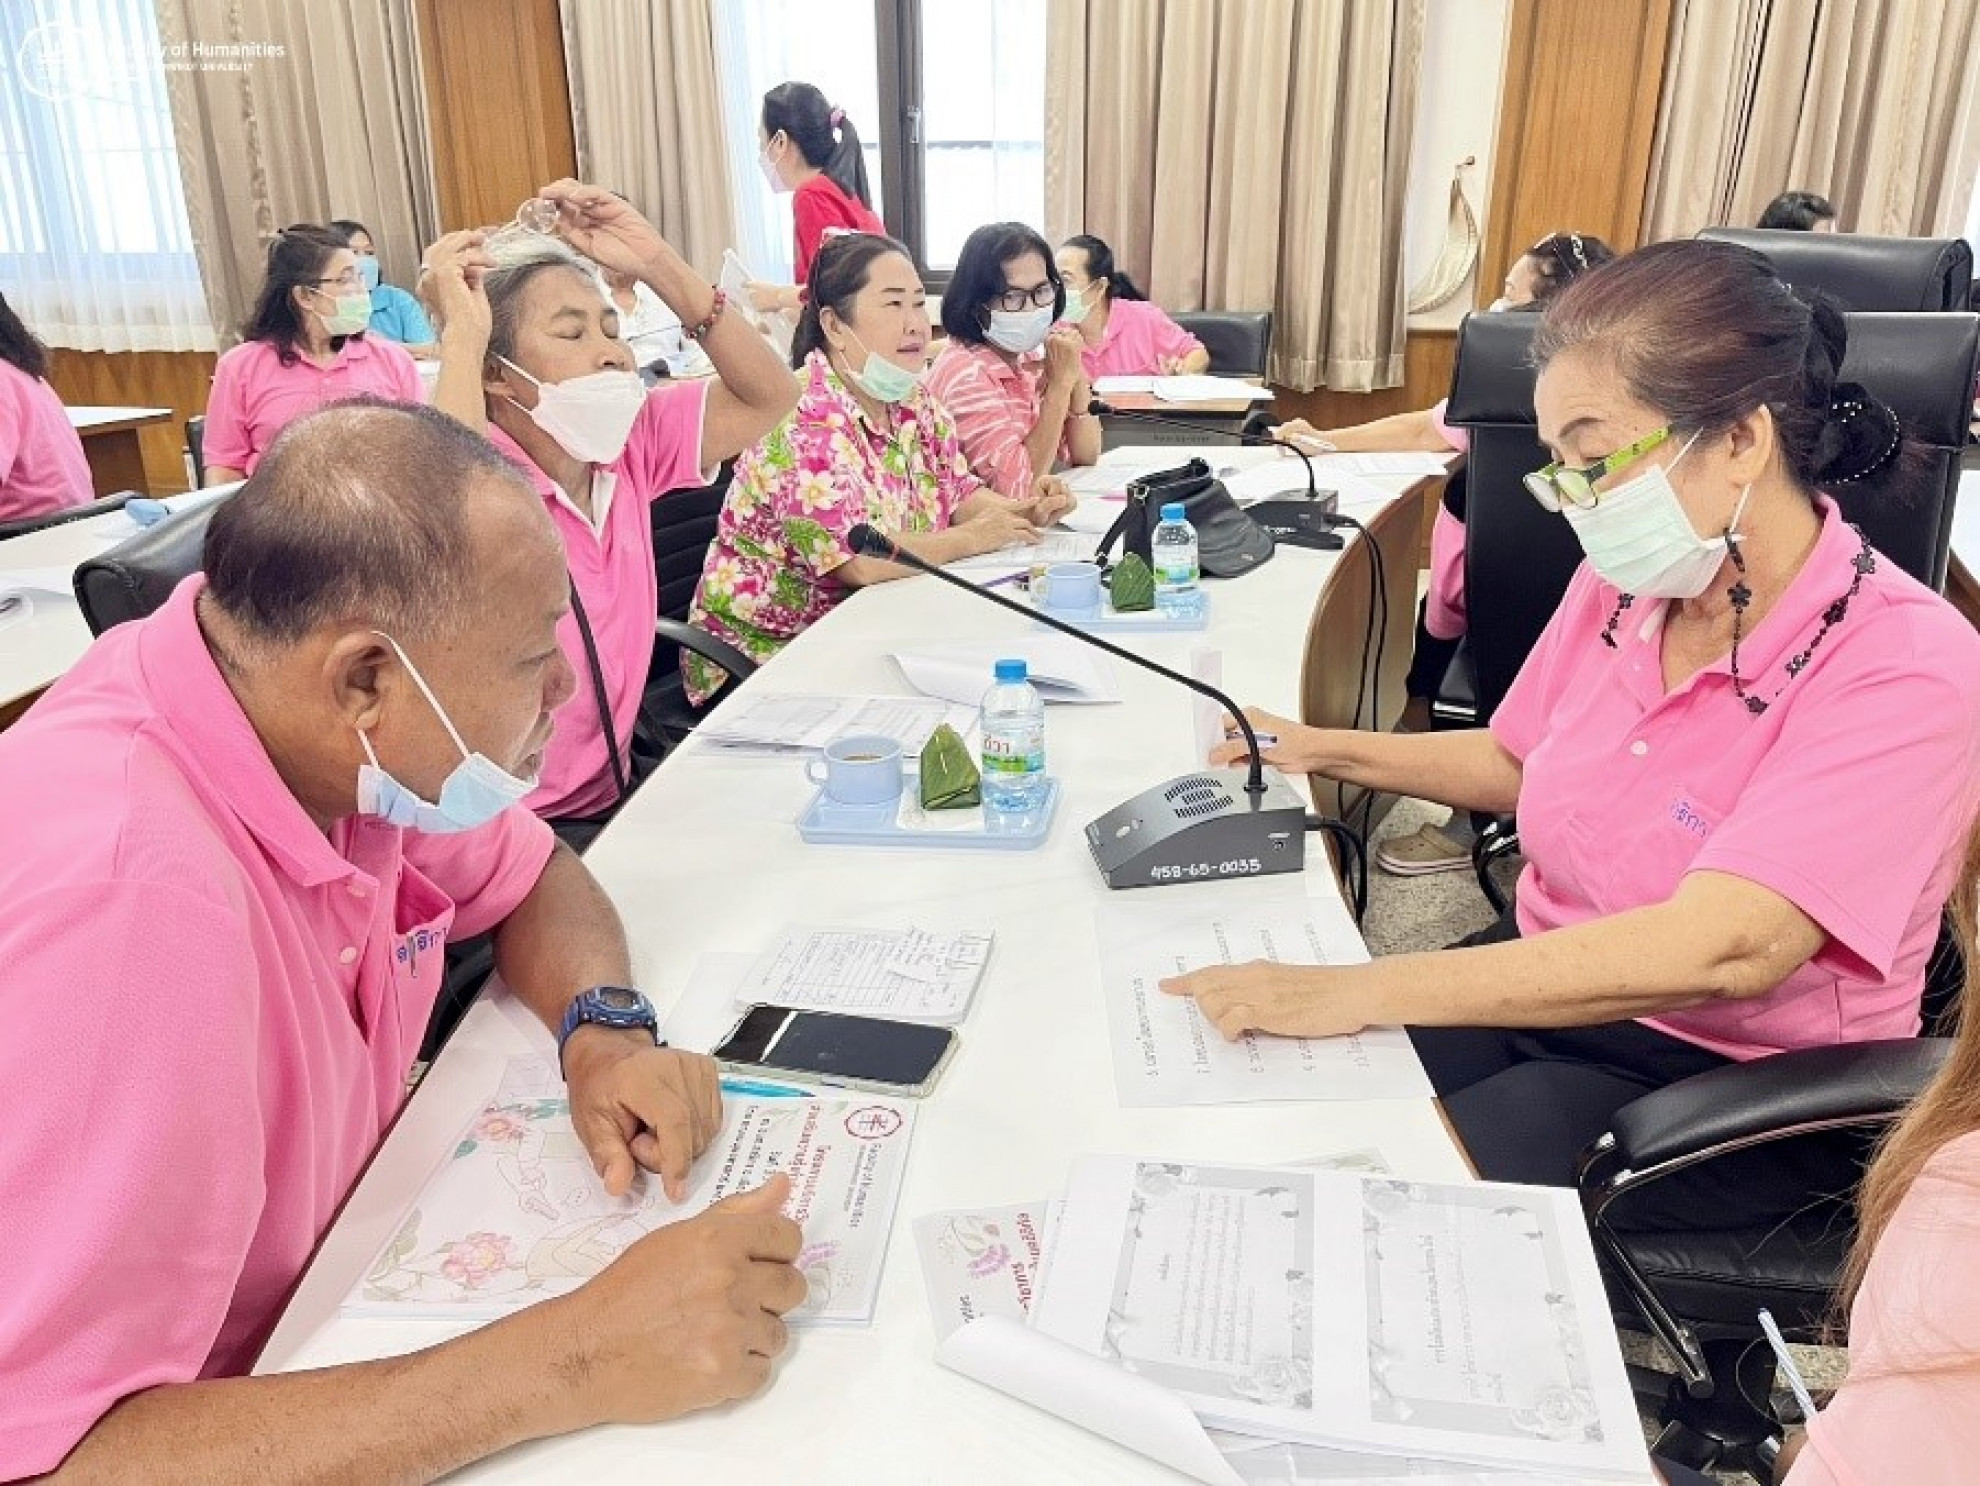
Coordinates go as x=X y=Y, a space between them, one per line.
x=475 y=793
x=368 y=271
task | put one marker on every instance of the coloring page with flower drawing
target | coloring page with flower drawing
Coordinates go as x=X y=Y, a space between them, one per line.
x=516 y=1214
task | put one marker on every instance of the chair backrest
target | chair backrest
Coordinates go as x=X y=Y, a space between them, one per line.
x=136 y=576
x=196 y=447
x=684 y=524
x=1518 y=558
x=21 y=526
x=1868 y=274
x=1239 y=341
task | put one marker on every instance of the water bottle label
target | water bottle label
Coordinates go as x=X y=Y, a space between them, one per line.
x=1182 y=572
x=1013 y=756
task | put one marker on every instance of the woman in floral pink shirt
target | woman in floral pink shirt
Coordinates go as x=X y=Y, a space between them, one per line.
x=866 y=444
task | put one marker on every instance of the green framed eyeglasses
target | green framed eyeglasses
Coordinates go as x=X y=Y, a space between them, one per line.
x=1557 y=485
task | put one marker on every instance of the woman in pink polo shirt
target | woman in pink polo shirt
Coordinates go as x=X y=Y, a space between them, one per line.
x=305 y=346
x=1011 y=381
x=1745 y=753
x=530 y=352
x=42 y=468
x=1123 y=332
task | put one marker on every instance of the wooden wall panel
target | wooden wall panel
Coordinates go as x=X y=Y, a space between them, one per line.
x=1427 y=358
x=1577 y=118
x=178 y=380
x=498 y=104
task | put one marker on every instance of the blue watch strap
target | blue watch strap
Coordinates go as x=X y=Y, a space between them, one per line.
x=619 y=1007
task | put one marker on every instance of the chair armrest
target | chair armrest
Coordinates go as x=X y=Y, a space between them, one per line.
x=103 y=504
x=700 y=642
x=1773 y=1098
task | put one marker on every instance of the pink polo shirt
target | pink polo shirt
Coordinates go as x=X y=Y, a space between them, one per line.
x=611 y=561
x=1138 y=337
x=1850 y=796
x=994 y=405
x=211 y=1008
x=42 y=468
x=255 y=397
x=1910 y=1409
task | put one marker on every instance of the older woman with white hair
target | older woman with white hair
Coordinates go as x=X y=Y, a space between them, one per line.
x=531 y=354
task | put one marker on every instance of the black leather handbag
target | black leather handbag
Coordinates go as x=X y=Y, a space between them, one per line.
x=1229 y=543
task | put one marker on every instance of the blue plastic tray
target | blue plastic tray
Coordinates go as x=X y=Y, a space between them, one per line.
x=1145 y=622
x=828 y=823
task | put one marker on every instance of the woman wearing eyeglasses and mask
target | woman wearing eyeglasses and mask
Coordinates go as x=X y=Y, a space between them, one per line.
x=866 y=444
x=1010 y=378
x=304 y=345
x=531 y=354
x=1745 y=753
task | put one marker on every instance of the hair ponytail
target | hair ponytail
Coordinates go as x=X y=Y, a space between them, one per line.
x=1100 y=265
x=823 y=135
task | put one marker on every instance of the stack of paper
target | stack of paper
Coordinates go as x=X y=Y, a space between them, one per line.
x=911 y=974
x=782 y=723
x=1325 y=1324
x=1210 y=389
x=516 y=1214
x=1061 y=670
x=1051 y=547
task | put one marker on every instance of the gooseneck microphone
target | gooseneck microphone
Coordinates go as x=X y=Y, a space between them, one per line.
x=1101 y=409
x=1193 y=828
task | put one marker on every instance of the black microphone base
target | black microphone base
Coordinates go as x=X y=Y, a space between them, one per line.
x=1200 y=827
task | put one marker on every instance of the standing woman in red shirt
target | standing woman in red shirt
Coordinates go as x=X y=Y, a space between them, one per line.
x=811 y=149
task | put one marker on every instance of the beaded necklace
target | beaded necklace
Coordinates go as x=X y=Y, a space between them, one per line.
x=1864 y=562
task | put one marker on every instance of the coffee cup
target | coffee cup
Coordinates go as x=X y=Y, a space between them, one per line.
x=863 y=769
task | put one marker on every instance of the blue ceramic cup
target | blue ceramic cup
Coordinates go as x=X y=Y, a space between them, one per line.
x=1073 y=587
x=863 y=769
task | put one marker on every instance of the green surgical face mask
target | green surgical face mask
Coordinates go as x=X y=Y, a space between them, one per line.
x=352 y=313
x=881 y=378
x=1077 y=309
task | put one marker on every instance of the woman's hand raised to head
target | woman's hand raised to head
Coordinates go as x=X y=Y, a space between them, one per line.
x=605 y=229
x=450 y=283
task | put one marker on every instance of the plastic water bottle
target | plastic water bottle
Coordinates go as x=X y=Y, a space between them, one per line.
x=1013 y=723
x=1178 y=590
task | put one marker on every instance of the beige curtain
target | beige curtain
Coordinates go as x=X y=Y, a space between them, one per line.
x=1873 y=103
x=1243 y=155
x=646 y=103
x=333 y=124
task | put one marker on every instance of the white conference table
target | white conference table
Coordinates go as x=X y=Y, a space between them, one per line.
x=705 y=858
x=38 y=648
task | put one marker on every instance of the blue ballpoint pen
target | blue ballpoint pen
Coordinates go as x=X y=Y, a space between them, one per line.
x=747 y=1088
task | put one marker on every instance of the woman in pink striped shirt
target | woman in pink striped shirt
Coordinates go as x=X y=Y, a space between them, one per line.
x=1010 y=379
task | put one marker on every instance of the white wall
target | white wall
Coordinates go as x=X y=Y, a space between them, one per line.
x=1464 y=57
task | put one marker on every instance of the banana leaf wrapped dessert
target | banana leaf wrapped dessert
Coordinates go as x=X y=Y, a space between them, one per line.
x=949 y=777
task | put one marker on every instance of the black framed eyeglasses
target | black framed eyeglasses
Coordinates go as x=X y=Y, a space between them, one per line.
x=1557 y=485
x=1013 y=301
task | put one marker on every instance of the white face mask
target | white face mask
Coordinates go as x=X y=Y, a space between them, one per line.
x=590 y=417
x=769 y=169
x=474 y=793
x=1638 y=538
x=1019 y=331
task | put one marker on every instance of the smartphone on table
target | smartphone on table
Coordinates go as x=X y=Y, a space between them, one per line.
x=847 y=1052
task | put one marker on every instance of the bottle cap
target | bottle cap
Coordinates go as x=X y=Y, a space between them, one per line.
x=1011 y=670
x=1173 y=511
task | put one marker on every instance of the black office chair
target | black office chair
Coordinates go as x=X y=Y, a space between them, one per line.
x=1869 y=275
x=684 y=526
x=1239 y=341
x=135 y=577
x=196 y=447
x=1698 y=1291
x=20 y=526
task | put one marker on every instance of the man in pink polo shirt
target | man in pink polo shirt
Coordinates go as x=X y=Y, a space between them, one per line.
x=1745 y=753
x=238 y=833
